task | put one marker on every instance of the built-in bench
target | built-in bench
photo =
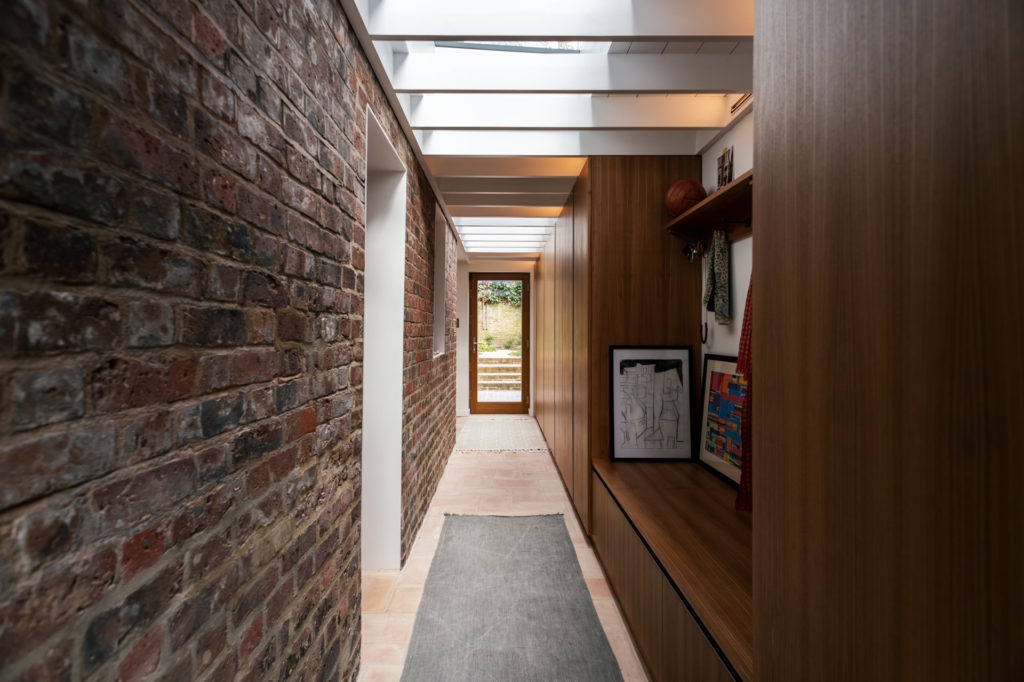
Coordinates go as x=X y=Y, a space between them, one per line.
x=679 y=559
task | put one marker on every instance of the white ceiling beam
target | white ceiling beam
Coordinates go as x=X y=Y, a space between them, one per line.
x=566 y=112
x=471 y=199
x=505 y=211
x=505 y=222
x=506 y=166
x=556 y=142
x=467 y=71
x=485 y=185
x=470 y=232
x=563 y=20
x=504 y=250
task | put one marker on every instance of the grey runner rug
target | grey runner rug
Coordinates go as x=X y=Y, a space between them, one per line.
x=505 y=600
x=501 y=434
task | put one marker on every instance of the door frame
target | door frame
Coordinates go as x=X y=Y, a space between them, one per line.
x=523 y=406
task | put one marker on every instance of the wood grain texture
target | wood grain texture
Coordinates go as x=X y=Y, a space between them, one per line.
x=643 y=291
x=685 y=515
x=543 y=400
x=581 y=348
x=671 y=643
x=888 y=515
x=563 y=344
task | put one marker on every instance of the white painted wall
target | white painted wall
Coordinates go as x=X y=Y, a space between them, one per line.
x=383 y=339
x=725 y=338
x=462 y=341
x=462 y=355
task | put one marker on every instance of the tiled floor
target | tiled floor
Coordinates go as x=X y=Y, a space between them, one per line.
x=489 y=482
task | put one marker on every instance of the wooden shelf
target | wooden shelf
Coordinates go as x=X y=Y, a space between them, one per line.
x=729 y=206
x=685 y=516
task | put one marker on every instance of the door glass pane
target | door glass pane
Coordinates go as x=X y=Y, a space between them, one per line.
x=499 y=339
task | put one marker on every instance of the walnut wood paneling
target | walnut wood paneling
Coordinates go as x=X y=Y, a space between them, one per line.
x=563 y=407
x=888 y=318
x=670 y=641
x=685 y=515
x=643 y=291
x=543 y=400
x=581 y=347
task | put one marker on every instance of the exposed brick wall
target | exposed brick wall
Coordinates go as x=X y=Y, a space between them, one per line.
x=181 y=255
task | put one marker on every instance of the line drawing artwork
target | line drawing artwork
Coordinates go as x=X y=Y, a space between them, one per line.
x=652 y=404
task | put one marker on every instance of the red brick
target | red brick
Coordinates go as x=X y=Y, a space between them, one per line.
x=248 y=367
x=143 y=657
x=121 y=384
x=140 y=552
x=251 y=638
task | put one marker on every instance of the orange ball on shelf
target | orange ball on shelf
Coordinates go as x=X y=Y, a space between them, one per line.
x=683 y=195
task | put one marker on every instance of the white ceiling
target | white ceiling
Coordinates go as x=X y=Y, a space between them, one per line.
x=504 y=131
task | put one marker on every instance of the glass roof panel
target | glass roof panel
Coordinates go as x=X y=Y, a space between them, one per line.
x=545 y=46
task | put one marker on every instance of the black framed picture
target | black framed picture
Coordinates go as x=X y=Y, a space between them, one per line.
x=723 y=395
x=650 y=403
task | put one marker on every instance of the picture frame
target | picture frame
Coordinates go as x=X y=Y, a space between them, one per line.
x=723 y=394
x=725 y=168
x=649 y=399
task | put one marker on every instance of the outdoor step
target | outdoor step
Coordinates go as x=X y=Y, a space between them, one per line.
x=500 y=360
x=497 y=384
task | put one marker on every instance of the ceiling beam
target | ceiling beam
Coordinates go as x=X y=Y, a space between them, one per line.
x=471 y=199
x=506 y=166
x=467 y=71
x=485 y=185
x=564 y=20
x=505 y=211
x=556 y=142
x=567 y=112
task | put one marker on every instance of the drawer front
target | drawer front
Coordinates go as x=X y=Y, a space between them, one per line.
x=670 y=641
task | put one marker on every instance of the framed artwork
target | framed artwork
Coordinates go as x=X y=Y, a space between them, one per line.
x=650 y=403
x=725 y=167
x=722 y=398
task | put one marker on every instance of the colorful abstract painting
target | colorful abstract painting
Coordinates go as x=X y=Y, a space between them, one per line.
x=724 y=392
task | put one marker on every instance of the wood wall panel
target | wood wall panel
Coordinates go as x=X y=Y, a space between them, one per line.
x=643 y=291
x=544 y=344
x=671 y=643
x=888 y=318
x=581 y=347
x=563 y=343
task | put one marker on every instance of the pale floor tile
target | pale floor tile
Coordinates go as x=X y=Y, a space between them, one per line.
x=379 y=673
x=480 y=482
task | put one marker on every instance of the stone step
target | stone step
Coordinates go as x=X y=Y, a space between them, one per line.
x=500 y=361
x=499 y=384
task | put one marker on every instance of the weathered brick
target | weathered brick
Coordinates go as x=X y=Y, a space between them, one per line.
x=222 y=282
x=60 y=253
x=218 y=97
x=256 y=442
x=143 y=658
x=49 y=533
x=138 y=611
x=291 y=326
x=133 y=263
x=212 y=327
x=54 y=462
x=218 y=415
x=149 y=324
x=48 y=321
x=262 y=289
x=155 y=213
x=120 y=384
x=141 y=551
x=46 y=396
x=211 y=642
x=148 y=436
x=248 y=367
x=137 y=494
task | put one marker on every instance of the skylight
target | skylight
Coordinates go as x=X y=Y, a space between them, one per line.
x=542 y=46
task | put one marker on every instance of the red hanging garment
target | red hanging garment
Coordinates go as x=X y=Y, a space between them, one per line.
x=745 y=497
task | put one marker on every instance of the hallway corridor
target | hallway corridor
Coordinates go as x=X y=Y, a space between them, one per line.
x=485 y=482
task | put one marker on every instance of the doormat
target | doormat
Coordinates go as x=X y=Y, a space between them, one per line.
x=500 y=434
x=505 y=600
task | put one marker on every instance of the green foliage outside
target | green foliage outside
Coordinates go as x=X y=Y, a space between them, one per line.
x=500 y=317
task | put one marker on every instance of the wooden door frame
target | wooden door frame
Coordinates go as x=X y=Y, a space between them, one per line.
x=522 y=407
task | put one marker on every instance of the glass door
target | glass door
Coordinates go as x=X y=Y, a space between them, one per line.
x=499 y=343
